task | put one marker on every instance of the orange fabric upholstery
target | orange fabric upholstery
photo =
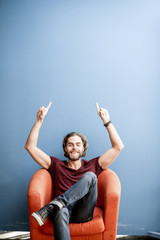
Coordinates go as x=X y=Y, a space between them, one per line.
x=103 y=226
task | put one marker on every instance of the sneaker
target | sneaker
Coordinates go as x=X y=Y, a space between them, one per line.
x=41 y=215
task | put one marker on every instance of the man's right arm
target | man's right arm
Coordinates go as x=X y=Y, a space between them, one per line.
x=31 y=145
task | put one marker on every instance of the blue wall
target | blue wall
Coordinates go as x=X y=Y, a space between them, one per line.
x=75 y=53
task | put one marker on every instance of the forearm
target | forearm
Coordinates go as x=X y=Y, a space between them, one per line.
x=31 y=145
x=114 y=137
x=111 y=154
x=33 y=136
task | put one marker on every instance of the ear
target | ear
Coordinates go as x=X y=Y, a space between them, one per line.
x=83 y=149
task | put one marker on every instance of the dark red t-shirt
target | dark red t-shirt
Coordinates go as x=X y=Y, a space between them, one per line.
x=64 y=177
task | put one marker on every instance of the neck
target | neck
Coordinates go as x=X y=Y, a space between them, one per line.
x=74 y=164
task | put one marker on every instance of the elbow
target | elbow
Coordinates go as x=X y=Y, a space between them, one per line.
x=120 y=147
x=27 y=147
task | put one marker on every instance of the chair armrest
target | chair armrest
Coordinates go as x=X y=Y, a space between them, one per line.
x=40 y=190
x=109 y=192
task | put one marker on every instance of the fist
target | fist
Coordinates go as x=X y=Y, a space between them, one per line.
x=103 y=113
x=43 y=111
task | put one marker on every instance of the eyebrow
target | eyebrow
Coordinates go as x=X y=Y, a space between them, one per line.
x=73 y=142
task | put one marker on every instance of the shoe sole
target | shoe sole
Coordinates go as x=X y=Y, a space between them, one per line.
x=37 y=218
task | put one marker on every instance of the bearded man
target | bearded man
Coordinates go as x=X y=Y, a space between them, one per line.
x=75 y=180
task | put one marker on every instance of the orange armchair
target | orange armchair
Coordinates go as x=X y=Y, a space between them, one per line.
x=103 y=226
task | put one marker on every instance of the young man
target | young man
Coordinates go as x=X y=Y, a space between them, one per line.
x=75 y=180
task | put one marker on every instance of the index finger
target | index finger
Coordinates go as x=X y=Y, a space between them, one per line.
x=49 y=105
x=97 y=106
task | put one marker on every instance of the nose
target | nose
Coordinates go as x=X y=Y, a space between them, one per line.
x=74 y=146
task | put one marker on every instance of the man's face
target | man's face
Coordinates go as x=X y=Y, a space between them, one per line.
x=74 y=148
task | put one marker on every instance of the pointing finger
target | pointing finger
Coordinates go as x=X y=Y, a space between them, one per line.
x=97 y=106
x=49 y=105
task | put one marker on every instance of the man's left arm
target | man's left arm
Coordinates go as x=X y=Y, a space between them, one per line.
x=110 y=155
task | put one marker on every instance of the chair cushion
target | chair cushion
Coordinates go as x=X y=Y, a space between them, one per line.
x=96 y=225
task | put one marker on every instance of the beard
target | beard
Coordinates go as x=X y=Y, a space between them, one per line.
x=74 y=157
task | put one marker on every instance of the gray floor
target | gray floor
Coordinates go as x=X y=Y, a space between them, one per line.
x=15 y=235
x=26 y=236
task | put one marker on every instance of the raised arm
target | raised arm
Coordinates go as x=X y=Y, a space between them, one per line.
x=31 y=145
x=110 y=155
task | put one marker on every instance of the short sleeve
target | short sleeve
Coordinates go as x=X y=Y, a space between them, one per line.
x=52 y=165
x=97 y=167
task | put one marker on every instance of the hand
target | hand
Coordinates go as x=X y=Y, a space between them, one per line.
x=103 y=113
x=43 y=111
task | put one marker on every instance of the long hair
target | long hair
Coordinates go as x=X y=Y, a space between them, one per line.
x=83 y=138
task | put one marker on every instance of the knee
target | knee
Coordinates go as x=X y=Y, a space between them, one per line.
x=61 y=216
x=90 y=176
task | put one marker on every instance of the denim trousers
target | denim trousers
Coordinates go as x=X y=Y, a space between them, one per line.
x=79 y=203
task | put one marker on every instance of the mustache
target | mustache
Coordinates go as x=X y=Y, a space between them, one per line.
x=75 y=151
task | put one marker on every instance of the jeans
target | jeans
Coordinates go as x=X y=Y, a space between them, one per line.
x=79 y=203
